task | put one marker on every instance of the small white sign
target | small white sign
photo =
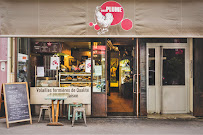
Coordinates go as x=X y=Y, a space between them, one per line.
x=96 y=89
x=98 y=70
x=40 y=71
x=22 y=57
x=88 y=66
x=55 y=62
x=3 y=66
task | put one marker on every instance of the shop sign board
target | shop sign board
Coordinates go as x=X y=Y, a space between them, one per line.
x=108 y=14
x=16 y=101
x=76 y=94
x=47 y=47
x=36 y=47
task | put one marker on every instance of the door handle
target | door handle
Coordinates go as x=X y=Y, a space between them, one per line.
x=134 y=83
x=134 y=76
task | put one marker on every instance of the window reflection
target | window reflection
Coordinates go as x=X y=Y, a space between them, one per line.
x=99 y=66
x=151 y=64
x=173 y=67
x=22 y=63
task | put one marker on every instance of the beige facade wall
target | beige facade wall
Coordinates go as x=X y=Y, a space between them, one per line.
x=70 y=18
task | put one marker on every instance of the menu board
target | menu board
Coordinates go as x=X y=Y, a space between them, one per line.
x=17 y=106
x=47 y=47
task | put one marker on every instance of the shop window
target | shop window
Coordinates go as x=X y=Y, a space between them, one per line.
x=99 y=66
x=22 y=59
x=61 y=64
x=173 y=66
x=151 y=66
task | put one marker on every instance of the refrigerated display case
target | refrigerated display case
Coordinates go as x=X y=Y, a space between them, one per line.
x=75 y=79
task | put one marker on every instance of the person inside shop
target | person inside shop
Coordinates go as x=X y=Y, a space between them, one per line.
x=81 y=66
x=64 y=69
x=74 y=67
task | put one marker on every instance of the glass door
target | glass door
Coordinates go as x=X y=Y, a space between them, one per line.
x=99 y=67
x=99 y=77
x=121 y=70
x=167 y=73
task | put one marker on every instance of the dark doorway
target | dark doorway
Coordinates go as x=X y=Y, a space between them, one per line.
x=120 y=71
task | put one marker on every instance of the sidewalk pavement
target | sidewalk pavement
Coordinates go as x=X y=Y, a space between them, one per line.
x=109 y=125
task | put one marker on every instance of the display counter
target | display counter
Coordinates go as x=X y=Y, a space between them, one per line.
x=79 y=79
x=46 y=82
x=76 y=84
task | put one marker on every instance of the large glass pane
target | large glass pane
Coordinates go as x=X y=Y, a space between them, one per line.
x=151 y=66
x=75 y=65
x=99 y=66
x=173 y=67
x=22 y=63
x=61 y=63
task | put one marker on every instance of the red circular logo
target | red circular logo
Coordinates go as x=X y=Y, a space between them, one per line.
x=115 y=9
x=126 y=24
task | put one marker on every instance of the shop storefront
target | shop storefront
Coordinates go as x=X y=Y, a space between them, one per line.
x=115 y=57
x=102 y=74
x=79 y=67
x=74 y=66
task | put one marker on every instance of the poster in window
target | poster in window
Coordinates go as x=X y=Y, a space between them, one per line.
x=55 y=63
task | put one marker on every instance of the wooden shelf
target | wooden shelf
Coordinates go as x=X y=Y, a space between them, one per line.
x=77 y=82
x=72 y=74
x=73 y=82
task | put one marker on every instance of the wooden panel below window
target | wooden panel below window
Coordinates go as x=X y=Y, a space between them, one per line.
x=198 y=104
x=198 y=77
x=99 y=102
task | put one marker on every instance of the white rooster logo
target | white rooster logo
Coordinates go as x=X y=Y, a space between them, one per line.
x=108 y=14
x=103 y=21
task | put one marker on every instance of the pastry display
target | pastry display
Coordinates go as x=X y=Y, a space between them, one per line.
x=74 y=79
x=47 y=83
x=63 y=79
x=71 y=79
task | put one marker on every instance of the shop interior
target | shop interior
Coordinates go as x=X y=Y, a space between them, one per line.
x=112 y=66
x=74 y=64
x=120 y=94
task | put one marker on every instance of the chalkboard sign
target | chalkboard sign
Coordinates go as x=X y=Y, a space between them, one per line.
x=16 y=100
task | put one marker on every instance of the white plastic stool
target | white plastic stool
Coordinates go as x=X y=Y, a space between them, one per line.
x=45 y=107
x=76 y=110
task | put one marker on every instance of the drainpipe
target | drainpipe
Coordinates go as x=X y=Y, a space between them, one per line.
x=9 y=60
x=13 y=57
